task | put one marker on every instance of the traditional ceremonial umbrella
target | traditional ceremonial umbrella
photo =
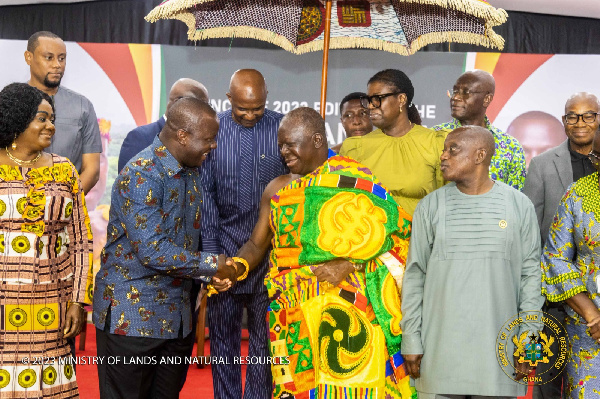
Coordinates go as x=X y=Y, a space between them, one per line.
x=300 y=26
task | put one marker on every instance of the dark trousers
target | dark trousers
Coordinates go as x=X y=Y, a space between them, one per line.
x=141 y=381
x=197 y=285
x=225 y=326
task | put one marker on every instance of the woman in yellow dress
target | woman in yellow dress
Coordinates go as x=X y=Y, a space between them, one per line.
x=45 y=250
x=404 y=155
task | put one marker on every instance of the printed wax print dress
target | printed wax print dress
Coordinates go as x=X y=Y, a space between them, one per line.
x=45 y=255
x=569 y=267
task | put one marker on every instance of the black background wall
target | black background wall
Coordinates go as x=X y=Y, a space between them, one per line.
x=121 y=21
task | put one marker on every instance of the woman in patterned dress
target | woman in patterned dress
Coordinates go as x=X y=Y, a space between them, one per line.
x=45 y=250
x=570 y=274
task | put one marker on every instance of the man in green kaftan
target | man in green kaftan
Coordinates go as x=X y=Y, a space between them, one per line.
x=473 y=264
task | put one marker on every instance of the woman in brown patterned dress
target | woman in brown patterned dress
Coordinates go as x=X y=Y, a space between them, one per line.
x=45 y=251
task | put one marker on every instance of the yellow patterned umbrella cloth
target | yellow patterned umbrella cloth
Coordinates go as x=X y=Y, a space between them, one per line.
x=397 y=26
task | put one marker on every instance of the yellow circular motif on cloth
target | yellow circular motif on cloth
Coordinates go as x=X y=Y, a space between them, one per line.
x=338 y=335
x=351 y=226
x=49 y=375
x=20 y=244
x=2 y=207
x=344 y=341
x=58 y=245
x=46 y=316
x=40 y=246
x=21 y=204
x=4 y=378
x=90 y=290
x=33 y=213
x=17 y=317
x=68 y=210
x=2 y=247
x=68 y=371
x=27 y=378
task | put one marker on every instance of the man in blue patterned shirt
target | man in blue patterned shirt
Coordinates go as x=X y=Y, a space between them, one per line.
x=471 y=95
x=234 y=177
x=142 y=296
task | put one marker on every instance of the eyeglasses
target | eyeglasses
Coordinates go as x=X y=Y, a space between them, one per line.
x=363 y=113
x=462 y=93
x=375 y=100
x=595 y=159
x=573 y=119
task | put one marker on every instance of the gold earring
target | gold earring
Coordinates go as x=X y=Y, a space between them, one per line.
x=401 y=109
x=14 y=146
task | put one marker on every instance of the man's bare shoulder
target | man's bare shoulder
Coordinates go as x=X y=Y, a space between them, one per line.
x=277 y=184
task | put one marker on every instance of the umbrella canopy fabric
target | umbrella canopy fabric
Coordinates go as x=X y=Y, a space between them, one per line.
x=398 y=26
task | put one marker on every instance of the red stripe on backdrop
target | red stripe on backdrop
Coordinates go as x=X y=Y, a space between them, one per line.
x=510 y=73
x=117 y=62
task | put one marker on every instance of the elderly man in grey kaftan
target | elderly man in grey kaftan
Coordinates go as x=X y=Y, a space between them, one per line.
x=472 y=265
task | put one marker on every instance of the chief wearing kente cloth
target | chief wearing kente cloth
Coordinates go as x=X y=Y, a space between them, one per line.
x=339 y=241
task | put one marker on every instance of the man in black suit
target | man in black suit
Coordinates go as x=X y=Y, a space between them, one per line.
x=142 y=136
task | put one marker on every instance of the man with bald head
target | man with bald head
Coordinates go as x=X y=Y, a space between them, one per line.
x=552 y=172
x=334 y=341
x=234 y=178
x=549 y=176
x=142 y=136
x=473 y=264
x=142 y=297
x=537 y=131
x=471 y=95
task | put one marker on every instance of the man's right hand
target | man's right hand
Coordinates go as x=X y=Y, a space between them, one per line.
x=225 y=274
x=594 y=328
x=413 y=365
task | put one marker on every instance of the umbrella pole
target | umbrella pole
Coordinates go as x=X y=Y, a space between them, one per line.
x=325 y=56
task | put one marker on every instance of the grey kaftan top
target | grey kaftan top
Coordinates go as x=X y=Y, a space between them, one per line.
x=473 y=264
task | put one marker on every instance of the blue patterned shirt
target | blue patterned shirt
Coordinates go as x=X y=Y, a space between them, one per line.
x=151 y=257
x=234 y=177
x=508 y=162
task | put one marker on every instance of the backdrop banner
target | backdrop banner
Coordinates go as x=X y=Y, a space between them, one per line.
x=128 y=85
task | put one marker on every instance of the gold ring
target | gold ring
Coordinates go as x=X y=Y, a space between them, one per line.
x=211 y=290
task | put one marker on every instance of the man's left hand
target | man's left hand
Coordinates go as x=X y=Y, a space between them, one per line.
x=74 y=321
x=522 y=369
x=413 y=365
x=334 y=271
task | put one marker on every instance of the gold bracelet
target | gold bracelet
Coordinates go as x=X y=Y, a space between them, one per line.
x=246 y=265
x=78 y=304
x=211 y=290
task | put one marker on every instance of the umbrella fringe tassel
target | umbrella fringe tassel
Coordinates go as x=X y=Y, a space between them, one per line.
x=169 y=9
x=491 y=40
x=478 y=9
